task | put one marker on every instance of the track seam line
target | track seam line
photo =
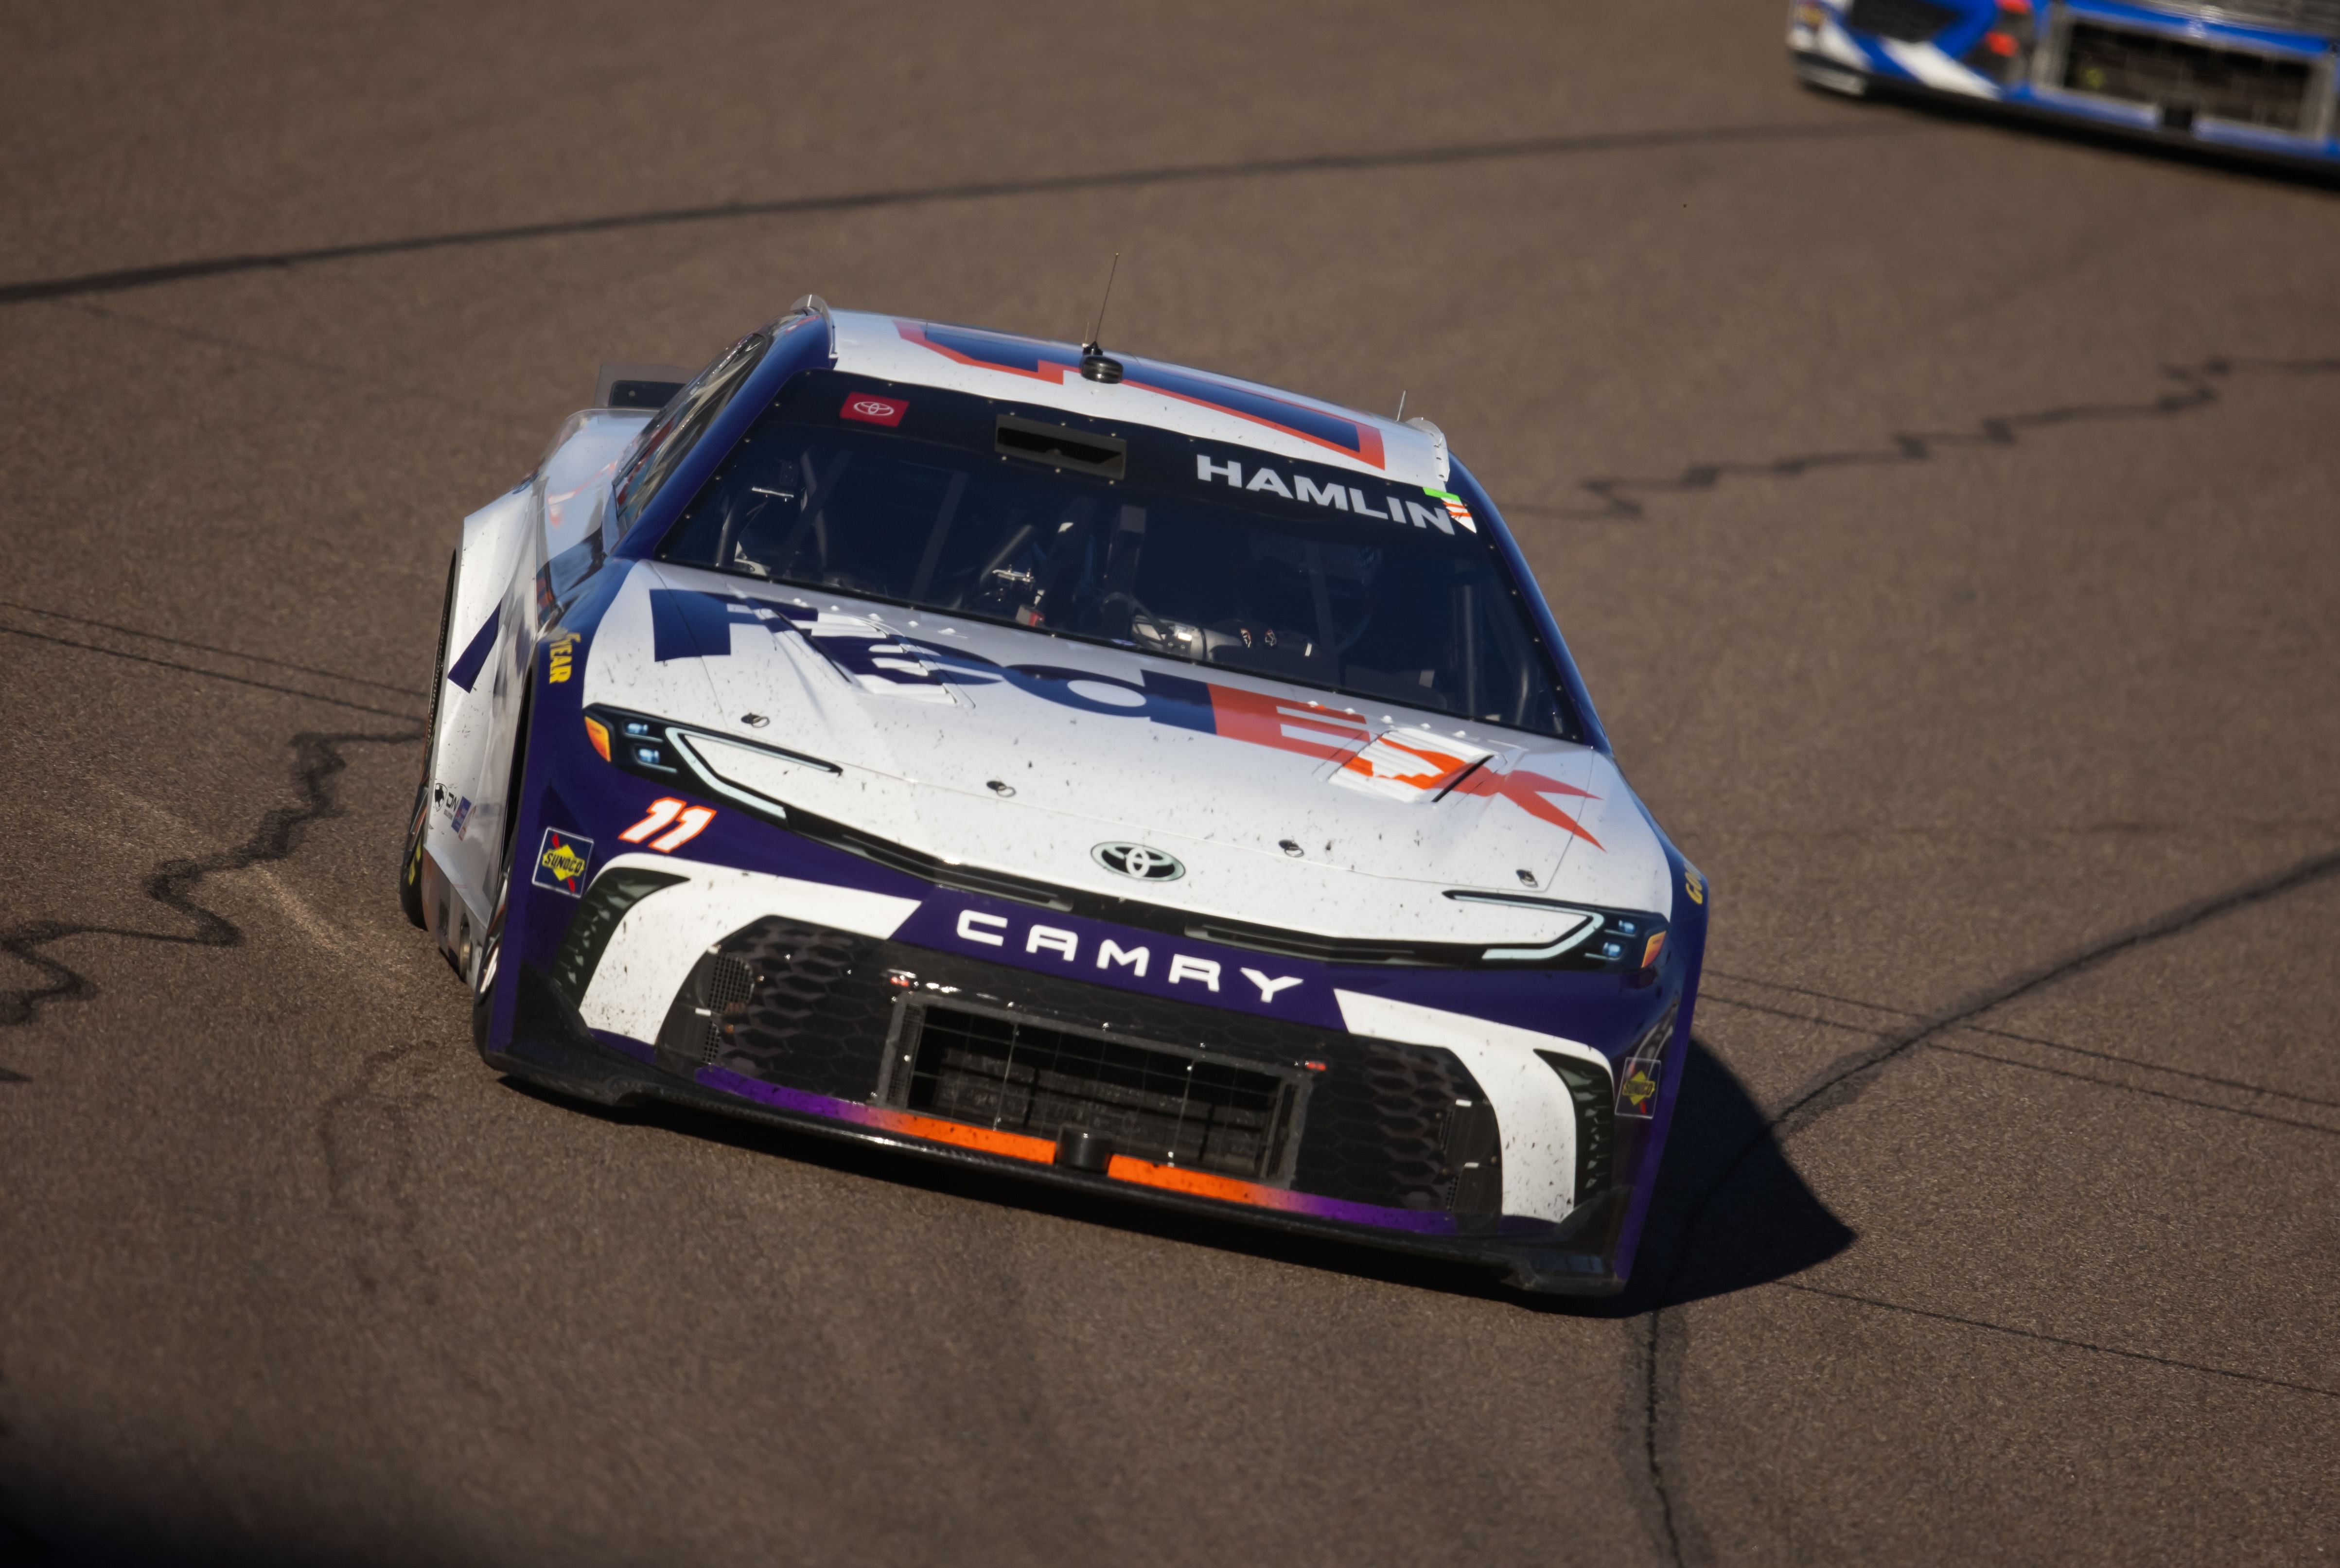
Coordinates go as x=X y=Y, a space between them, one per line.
x=2130 y=1088
x=1822 y=1095
x=212 y=648
x=2138 y=1063
x=2066 y=1073
x=342 y=375
x=2168 y=1361
x=207 y=674
x=118 y=280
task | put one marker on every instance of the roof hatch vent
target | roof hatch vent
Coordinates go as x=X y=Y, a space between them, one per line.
x=1106 y=456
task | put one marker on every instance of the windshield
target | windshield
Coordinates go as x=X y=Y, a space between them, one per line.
x=1211 y=555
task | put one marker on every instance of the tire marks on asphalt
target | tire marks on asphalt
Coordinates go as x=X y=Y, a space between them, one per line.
x=366 y=1134
x=317 y=759
x=2133 y=1088
x=127 y=278
x=2292 y=1097
x=1985 y=1324
x=2197 y=388
x=1844 y=1080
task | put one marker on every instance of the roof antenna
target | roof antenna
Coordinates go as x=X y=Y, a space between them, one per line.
x=1094 y=365
x=1399 y=418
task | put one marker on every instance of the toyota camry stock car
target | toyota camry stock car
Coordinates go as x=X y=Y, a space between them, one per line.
x=1081 y=766
x=2254 y=77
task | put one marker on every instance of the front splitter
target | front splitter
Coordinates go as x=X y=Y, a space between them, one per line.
x=1548 y=1260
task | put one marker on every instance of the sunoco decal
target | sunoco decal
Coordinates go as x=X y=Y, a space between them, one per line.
x=562 y=861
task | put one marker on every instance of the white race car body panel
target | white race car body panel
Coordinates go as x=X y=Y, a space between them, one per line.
x=918 y=749
x=492 y=628
x=1531 y=1106
x=647 y=958
x=914 y=353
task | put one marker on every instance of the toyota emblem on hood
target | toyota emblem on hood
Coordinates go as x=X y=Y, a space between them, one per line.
x=1137 y=860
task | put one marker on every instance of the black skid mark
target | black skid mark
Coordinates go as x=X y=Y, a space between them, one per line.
x=1843 y=1081
x=317 y=758
x=2195 y=388
x=1307 y=164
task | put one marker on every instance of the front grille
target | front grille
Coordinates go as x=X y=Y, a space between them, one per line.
x=797 y=1004
x=2308 y=15
x=1910 y=21
x=1367 y=1121
x=1153 y=1102
x=2192 y=80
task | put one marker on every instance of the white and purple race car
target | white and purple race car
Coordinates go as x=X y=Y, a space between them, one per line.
x=1081 y=766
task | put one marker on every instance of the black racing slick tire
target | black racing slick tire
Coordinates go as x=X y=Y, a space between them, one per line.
x=410 y=866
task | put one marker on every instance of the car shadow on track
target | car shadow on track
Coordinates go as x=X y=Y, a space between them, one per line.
x=1729 y=1212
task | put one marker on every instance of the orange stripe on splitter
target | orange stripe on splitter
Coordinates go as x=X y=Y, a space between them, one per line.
x=989 y=1140
x=1194 y=1183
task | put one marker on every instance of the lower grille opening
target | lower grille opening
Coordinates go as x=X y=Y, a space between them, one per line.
x=1152 y=1102
x=2197 y=81
x=1593 y=1096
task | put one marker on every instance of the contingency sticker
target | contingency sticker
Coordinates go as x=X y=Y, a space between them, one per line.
x=1454 y=507
x=562 y=861
x=1637 y=1080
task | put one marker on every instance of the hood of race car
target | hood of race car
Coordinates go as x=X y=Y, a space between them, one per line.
x=1016 y=751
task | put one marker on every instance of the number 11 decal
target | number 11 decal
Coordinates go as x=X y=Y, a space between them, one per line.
x=689 y=822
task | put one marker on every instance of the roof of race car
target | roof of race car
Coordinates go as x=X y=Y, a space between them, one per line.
x=1038 y=373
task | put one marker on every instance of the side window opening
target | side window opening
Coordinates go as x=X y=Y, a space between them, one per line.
x=670 y=437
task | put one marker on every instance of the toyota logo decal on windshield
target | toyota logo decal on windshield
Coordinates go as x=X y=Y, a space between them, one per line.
x=873 y=410
x=1137 y=860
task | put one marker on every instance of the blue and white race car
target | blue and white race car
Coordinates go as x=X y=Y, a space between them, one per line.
x=2246 y=77
x=1080 y=767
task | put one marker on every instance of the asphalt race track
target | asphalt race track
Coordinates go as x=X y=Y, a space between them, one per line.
x=1945 y=513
